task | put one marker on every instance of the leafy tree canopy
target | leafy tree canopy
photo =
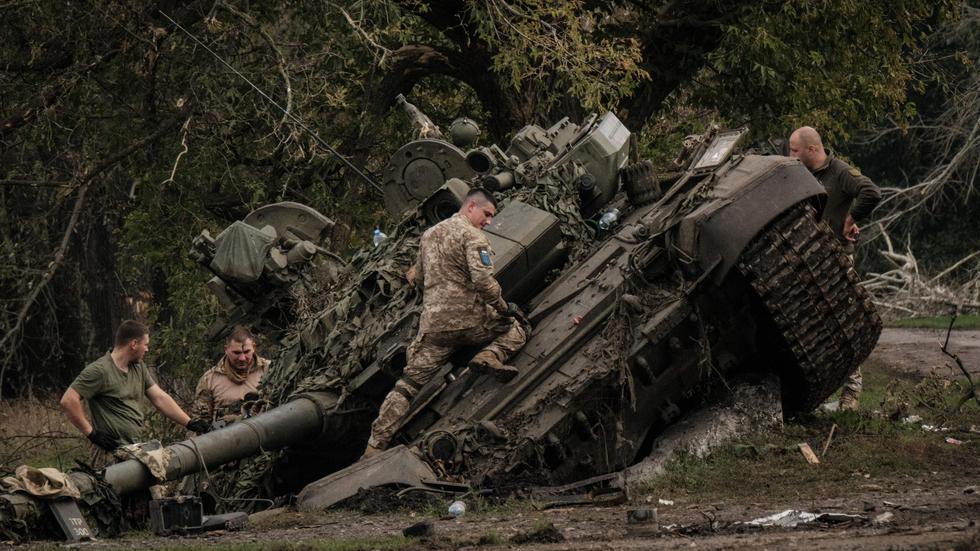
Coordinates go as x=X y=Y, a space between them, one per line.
x=122 y=138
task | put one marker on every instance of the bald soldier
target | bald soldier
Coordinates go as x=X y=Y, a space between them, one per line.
x=462 y=305
x=851 y=197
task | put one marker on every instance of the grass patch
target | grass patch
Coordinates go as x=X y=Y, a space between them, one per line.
x=35 y=432
x=869 y=446
x=491 y=537
x=971 y=321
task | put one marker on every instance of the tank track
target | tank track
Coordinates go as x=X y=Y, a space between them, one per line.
x=811 y=291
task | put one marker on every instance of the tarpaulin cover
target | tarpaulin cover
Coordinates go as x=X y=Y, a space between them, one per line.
x=240 y=252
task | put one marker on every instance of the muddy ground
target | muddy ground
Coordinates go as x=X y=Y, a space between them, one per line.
x=922 y=504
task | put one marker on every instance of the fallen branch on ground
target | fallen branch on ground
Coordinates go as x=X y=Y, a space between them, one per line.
x=971 y=392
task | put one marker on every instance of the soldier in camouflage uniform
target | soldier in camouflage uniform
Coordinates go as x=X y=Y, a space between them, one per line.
x=462 y=305
x=851 y=197
x=236 y=374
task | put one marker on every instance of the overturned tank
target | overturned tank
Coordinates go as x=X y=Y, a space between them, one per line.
x=645 y=288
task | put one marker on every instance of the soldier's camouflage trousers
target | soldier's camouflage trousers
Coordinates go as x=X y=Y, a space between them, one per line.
x=427 y=354
x=855 y=382
x=852 y=390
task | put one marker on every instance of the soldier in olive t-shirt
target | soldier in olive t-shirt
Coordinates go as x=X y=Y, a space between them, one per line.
x=114 y=387
x=115 y=399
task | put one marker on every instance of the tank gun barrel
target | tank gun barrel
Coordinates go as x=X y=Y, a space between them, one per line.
x=295 y=421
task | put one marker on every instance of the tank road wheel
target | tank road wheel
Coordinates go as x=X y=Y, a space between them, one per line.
x=640 y=183
x=825 y=319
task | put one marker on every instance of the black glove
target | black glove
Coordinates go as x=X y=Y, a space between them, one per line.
x=199 y=426
x=103 y=440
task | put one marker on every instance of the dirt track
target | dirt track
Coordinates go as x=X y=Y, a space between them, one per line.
x=930 y=510
x=925 y=517
x=917 y=351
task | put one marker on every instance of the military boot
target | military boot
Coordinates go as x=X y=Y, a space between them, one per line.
x=369 y=451
x=486 y=361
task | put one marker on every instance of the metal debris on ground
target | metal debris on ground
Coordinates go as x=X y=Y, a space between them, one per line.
x=884 y=518
x=791 y=518
x=641 y=516
x=642 y=522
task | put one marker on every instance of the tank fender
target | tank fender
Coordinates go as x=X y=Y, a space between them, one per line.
x=398 y=466
x=748 y=195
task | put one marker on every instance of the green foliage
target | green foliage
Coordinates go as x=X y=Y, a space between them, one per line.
x=562 y=42
x=939 y=322
x=82 y=83
x=837 y=65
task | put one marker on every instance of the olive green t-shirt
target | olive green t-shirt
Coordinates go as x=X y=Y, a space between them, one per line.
x=114 y=398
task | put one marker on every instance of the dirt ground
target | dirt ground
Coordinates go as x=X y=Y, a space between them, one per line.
x=924 y=509
x=917 y=351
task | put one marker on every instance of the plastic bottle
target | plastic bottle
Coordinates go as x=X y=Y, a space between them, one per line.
x=609 y=219
x=456 y=509
x=379 y=236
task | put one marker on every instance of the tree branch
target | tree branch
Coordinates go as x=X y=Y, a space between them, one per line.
x=83 y=183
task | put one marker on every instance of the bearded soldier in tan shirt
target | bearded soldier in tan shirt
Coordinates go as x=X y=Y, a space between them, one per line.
x=236 y=374
x=462 y=305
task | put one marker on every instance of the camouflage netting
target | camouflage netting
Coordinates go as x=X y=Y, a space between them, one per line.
x=339 y=326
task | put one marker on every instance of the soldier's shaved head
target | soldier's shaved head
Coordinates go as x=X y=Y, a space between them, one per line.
x=481 y=194
x=807 y=135
x=805 y=144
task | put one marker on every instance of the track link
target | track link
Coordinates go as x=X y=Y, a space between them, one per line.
x=810 y=289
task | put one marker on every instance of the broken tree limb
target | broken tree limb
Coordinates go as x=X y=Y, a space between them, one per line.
x=807 y=452
x=972 y=392
x=830 y=437
x=904 y=289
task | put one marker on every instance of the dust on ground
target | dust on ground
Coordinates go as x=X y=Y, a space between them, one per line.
x=932 y=506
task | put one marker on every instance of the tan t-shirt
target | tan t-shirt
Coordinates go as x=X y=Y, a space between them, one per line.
x=216 y=391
